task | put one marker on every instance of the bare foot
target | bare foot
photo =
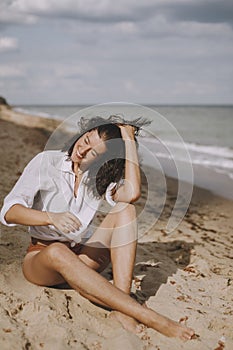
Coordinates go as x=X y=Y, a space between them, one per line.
x=127 y=322
x=171 y=328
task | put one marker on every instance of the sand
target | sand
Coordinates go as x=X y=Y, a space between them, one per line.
x=186 y=275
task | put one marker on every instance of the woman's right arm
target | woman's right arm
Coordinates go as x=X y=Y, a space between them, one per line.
x=17 y=208
x=65 y=222
x=18 y=214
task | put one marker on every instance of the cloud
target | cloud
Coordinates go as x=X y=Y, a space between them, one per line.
x=126 y=15
x=85 y=10
x=208 y=11
x=74 y=70
x=8 y=71
x=10 y=15
x=162 y=28
x=88 y=51
x=126 y=27
x=8 y=44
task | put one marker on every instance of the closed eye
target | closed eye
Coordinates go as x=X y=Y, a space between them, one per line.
x=94 y=154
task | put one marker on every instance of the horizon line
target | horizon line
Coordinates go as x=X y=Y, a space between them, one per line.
x=145 y=104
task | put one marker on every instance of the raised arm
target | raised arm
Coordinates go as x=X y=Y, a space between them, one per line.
x=130 y=191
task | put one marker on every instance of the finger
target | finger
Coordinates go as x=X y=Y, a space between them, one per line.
x=71 y=225
x=74 y=219
x=113 y=191
x=67 y=228
x=71 y=228
x=112 y=188
x=75 y=224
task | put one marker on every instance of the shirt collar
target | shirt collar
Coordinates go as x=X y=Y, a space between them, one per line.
x=66 y=164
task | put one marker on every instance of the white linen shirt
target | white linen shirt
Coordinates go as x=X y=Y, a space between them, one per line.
x=47 y=184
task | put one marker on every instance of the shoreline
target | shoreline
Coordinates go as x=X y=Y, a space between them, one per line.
x=31 y=121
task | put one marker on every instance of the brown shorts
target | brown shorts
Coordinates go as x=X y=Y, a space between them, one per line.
x=37 y=245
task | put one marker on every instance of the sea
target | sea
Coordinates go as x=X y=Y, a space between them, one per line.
x=200 y=137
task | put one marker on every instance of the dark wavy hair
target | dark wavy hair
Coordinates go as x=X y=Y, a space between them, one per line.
x=110 y=166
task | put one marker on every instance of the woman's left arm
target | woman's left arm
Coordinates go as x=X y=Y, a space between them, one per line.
x=130 y=191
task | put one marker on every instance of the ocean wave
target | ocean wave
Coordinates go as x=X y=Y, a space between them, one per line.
x=222 y=163
x=219 y=151
x=219 y=159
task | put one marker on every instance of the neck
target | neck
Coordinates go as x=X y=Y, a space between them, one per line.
x=76 y=169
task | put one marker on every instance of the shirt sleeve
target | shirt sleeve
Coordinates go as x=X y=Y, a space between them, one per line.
x=25 y=188
x=108 y=193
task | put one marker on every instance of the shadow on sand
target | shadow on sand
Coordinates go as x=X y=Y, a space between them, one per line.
x=155 y=262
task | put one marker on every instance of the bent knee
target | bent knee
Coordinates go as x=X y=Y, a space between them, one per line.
x=57 y=251
x=124 y=208
x=44 y=267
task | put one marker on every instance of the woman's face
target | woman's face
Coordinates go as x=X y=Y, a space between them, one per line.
x=87 y=149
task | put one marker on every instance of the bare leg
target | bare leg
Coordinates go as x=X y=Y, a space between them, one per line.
x=57 y=260
x=56 y=264
x=118 y=231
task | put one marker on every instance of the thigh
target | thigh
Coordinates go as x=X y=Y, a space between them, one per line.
x=96 y=251
x=95 y=255
x=37 y=268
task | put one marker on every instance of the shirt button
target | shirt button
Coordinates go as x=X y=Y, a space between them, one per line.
x=73 y=244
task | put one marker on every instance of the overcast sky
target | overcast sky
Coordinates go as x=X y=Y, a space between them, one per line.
x=86 y=51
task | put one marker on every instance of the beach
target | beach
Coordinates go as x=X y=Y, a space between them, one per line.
x=186 y=275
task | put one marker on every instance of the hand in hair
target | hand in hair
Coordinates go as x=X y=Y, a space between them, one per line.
x=127 y=131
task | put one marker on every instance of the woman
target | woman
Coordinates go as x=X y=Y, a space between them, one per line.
x=57 y=197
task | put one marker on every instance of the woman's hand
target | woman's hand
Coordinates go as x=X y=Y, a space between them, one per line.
x=65 y=222
x=127 y=131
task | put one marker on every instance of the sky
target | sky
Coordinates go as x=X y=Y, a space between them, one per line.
x=86 y=51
